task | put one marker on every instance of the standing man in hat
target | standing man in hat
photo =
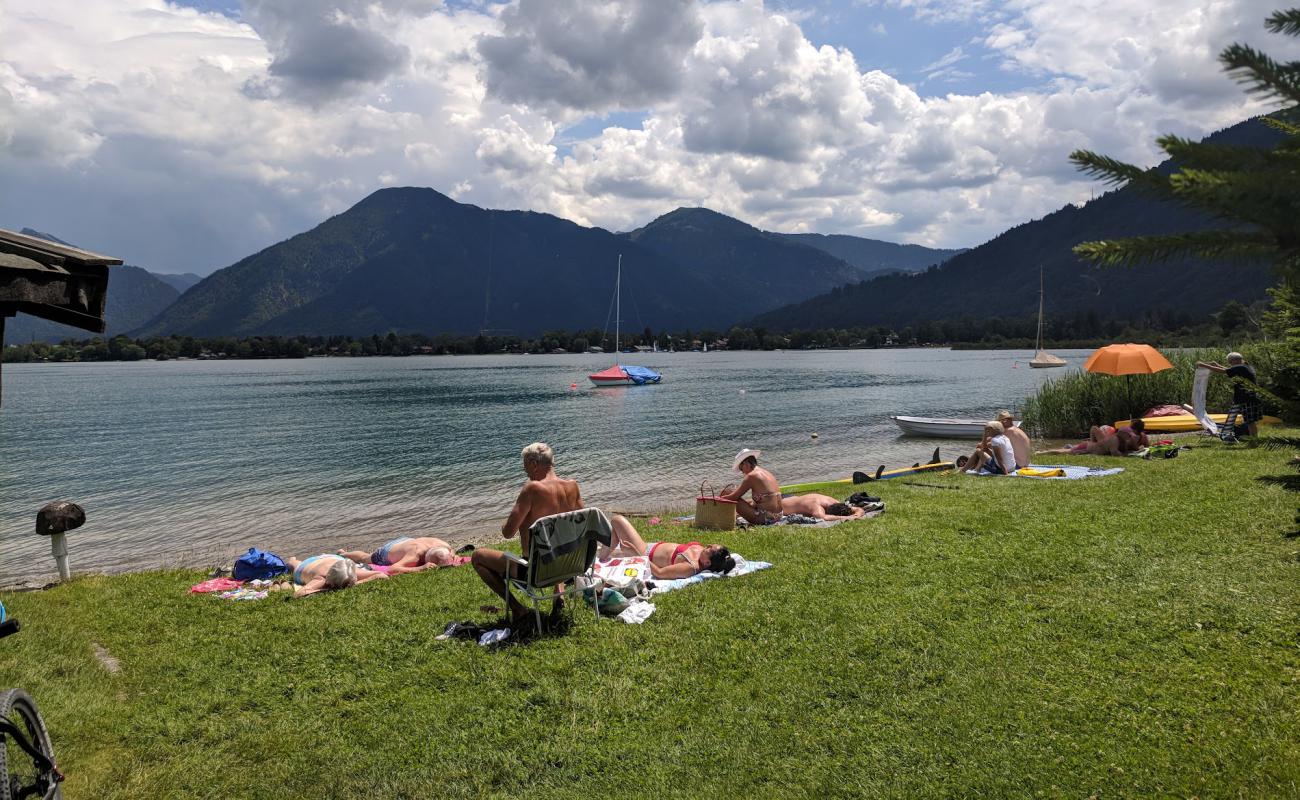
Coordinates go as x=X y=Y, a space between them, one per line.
x=764 y=505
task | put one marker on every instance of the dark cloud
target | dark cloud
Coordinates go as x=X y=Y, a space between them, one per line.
x=320 y=52
x=591 y=55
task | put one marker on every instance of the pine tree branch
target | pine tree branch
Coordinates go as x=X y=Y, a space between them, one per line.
x=1287 y=22
x=1210 y=245
x=1191 y=154
x=1262 y=197
x=1261 y=74
x=1288 y=128
x=1117 y=173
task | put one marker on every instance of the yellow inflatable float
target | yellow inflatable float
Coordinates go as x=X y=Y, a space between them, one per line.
x=1180 y=423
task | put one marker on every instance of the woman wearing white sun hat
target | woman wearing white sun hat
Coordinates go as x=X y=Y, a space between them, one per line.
x=764 y=506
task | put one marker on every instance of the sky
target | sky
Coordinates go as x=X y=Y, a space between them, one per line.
x=185 y=136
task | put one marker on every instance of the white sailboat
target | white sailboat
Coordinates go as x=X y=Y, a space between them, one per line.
x=1043 y=359
x=622 y=374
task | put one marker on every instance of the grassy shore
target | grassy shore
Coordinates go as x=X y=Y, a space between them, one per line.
x=1126 y=636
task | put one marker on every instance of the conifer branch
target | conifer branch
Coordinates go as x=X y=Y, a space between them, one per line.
x=1261 y=74
x=1285 y=22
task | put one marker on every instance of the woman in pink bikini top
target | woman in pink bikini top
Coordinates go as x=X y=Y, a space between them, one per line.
x=668 y=560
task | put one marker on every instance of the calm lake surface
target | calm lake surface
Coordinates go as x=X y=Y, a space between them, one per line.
x=192 y=462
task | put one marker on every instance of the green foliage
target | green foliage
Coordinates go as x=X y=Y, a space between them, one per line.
x=1068 y=406
x=1257 y=192
x=1009 y=638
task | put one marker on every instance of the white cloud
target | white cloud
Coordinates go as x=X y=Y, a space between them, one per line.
x=185 y=140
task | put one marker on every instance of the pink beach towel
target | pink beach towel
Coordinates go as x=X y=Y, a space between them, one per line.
x=215 y=585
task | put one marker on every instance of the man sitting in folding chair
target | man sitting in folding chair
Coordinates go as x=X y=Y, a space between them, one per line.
x=544 y=494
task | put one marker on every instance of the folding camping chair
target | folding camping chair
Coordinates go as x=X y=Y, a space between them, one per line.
x=561 y=548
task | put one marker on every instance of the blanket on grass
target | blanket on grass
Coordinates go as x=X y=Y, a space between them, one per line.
x=1069 y=472
x=797 y=519
x=743 y=567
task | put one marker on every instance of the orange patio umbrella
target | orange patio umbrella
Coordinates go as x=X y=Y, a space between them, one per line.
x=1127 y=360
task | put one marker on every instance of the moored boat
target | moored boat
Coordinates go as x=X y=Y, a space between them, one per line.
x=941 y=428
x=622 y=374
x=1043 y=359
x=625 y=375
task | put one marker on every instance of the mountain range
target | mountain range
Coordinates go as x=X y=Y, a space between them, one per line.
x=414 y=260
x=1000 y=278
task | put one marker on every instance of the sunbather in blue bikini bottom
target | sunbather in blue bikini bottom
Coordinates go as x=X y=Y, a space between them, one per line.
x=380 y=556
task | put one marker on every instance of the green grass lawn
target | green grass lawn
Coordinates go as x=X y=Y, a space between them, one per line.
x=1134 y=635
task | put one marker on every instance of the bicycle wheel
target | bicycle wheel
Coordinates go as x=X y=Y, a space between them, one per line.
x=20 y=777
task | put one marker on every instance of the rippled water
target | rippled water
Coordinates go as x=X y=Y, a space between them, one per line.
x=193 y=461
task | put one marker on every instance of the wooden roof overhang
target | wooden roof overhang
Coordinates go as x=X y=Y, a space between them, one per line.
x=52 y=281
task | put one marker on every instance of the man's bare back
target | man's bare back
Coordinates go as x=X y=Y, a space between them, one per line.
x=544 y=493
x=540 y=498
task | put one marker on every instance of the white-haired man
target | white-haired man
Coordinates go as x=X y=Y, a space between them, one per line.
x=1245 y=400
x=544 y=493
x=406 y=555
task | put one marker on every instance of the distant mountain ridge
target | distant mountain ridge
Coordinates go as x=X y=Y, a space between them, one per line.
x=135 y=296
x=180 y=281
x=872 y=256
x=1000 y=277
x=413 y=260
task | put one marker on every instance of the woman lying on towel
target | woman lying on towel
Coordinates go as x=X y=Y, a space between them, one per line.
x=327 y=572
x=668 y=560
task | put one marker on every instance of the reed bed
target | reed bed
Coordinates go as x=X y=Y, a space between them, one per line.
x=1070 y=405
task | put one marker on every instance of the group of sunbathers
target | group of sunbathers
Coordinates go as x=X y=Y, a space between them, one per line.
x=546 y=493
x=348 y=568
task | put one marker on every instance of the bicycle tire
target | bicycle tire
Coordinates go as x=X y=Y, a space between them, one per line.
x=17 y=768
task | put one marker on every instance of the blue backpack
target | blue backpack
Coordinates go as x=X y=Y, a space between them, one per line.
x=258 y=565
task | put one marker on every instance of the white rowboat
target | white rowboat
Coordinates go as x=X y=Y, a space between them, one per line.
x=942 y=428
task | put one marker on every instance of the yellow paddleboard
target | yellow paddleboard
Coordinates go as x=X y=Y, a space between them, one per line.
x=1185 y=422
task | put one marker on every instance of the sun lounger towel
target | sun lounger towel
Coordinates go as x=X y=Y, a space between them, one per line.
x=743 y=567
x=1068 y=472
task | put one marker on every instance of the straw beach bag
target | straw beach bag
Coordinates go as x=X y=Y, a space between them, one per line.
x=712 y=512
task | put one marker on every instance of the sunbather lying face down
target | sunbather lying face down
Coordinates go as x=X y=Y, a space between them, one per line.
x=819 y=506
x=1103 y=440
x=406 y=555
x=327 y=572
x=668 y=560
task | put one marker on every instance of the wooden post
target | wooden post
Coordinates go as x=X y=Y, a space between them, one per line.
x=2 y=360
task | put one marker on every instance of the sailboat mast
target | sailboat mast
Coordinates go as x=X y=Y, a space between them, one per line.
x=618 y=300
x=1038 y=339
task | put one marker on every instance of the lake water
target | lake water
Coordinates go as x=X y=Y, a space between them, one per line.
x=194 y=461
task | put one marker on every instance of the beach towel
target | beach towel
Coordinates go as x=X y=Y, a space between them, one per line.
x=1037 y=472
x=559 y=534
x=1068 y=472
x=743 y=567
x=1199 y=384
x=215 y=585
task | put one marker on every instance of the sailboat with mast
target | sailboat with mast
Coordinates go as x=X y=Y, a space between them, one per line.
x=1043 y=359
x=622 y=374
